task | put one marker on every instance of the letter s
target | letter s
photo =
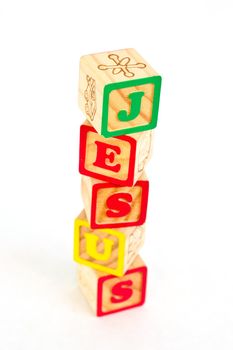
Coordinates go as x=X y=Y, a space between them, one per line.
x=121 y=292
x=118 y=204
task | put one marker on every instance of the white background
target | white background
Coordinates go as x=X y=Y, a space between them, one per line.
x=189 y=229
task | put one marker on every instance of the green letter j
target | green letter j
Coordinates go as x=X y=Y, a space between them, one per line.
x=136 y=99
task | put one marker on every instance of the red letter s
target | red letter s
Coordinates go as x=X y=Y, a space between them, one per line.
x=117 y=204
x=122 y=293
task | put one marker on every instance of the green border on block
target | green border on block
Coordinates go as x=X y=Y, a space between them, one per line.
x=156 y=81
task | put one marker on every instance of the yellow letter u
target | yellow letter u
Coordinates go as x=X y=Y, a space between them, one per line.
x=91 y=247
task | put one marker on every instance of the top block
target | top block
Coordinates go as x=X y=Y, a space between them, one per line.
x=119 y=92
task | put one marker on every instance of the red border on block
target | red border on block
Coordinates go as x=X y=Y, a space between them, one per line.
x=144 y=184
x=99 y=312
x=84 y=129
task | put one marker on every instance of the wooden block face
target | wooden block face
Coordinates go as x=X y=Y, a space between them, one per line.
x=130 y=107
x=119 y=100
x=106 y=250
x=111 y=160
x=107 y=294
x=87 y=279
x=144 y=150
x=103 y=250
x=121 y=293
x=134 y=244
x=119 y=92
x=112 y=206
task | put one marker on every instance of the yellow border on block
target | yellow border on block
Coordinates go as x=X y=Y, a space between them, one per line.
x=119 y=271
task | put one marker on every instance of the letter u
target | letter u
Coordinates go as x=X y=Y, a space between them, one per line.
x=91 y=247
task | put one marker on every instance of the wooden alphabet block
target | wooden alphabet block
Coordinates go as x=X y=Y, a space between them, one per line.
x=107 y=294
x=119 y=160
x=119 y=92
x=106 y=250
x=111 y=206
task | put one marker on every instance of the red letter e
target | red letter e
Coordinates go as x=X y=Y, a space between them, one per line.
x=102 y=156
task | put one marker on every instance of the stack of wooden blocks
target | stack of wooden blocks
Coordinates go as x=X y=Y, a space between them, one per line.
x=119 y=94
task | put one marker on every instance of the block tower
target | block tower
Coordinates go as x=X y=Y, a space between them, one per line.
x=119 y=96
